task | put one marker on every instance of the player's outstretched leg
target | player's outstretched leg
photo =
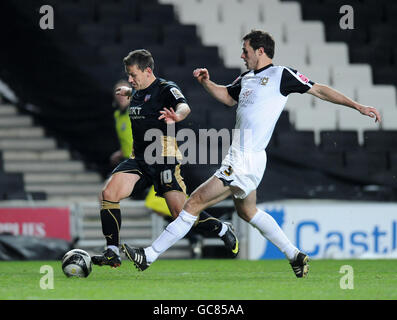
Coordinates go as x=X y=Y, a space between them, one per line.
x=207 y=225
x=137 y=256
x=300 y=265
x=108 y=258
x=111 y=222
x=230 y=239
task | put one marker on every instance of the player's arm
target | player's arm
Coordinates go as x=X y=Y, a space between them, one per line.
x=182 y=110
x=329 y=94
x=124 y=91
x=178 y=109
x=219 y=92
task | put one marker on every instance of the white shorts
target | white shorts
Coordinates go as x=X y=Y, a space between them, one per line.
x=243 y=170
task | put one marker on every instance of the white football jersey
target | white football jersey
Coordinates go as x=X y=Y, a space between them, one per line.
x=262 y=95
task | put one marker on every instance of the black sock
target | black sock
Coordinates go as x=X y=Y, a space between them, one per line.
x=111 y=222
x=207 y=225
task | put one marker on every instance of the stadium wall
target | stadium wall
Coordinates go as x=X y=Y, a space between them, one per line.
x=330 y=229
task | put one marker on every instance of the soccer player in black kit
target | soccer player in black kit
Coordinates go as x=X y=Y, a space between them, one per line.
x=156 y=103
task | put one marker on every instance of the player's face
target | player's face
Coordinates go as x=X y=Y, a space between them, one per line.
x=249 y=56
x=137 y=78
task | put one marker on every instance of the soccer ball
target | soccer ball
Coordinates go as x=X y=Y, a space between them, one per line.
x=76 y=263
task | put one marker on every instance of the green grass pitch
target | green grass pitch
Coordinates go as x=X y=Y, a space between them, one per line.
x=204 y=280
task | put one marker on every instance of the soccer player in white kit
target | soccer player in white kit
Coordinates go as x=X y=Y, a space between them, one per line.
x=261 y=94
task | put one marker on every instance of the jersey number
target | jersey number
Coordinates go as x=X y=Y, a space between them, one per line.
x=166 y=176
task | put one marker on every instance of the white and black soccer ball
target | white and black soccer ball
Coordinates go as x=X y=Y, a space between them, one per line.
x=76 y=263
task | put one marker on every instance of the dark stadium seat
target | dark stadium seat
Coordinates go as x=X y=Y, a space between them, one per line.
x=223 y=75
x=11 y=186
x=338 y=141
x=378 y=2
x=393 y=161
x=365 y=14
x=283 y=123
x=391 y=13
x=316 y=11
x=155 y=14
x=115 y=14
x=362 y=162
x=384 y=75
x=164 y=57
x=350 y=36
x=382 y=33
x=376 y=55
x=36 y=196
x=220 y=117
x=201 y=56
x=394 y=55
x=200 y=99
x=176 y=35
x=107 y=75
x=114 y=53
x=138 y=36
x=380 y=140
x=182 y=76
x=75 y=13
x=97 y=34
x=301 y=140
x=198 y=116
x=326 y=160
x=82 y=54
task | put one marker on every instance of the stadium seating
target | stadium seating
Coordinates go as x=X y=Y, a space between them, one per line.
x=97 y=34
x=380 y=141
x=136 y=35
x=338 y=141
x=202 y=56
x=365 y=163
x=33 y=167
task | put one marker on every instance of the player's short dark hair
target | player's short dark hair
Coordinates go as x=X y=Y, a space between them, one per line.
x=142 y=58
x=260 y=39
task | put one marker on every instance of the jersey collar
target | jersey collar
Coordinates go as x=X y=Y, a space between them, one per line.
x=149 y=87
x=263 y=68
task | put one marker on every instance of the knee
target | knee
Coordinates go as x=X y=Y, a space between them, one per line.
x=246 y=214
x=110 y=194
x=174 y=212
x=194 y=204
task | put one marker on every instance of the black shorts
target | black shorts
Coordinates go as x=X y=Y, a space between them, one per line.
x=164 y=177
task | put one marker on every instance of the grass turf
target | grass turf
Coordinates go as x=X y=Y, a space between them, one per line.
x=204 y=279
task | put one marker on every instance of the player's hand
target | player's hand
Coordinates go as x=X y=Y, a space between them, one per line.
x=169 y=116
x=201 y=74
x=124 y=91
x=370 y=112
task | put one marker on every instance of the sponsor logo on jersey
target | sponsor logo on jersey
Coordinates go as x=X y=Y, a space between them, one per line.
x=135 y=113
x=147 y=97
x=264 y=81
x=303 y=77
x=176 y=93
x=228 y=171
x=245 y=97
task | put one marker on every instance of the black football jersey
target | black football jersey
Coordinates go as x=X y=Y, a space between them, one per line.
x=144 y=112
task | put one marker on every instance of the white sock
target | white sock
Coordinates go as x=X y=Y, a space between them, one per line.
x=223 y=230
x=175 y=231
x=269 y=228
x=114 y=249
